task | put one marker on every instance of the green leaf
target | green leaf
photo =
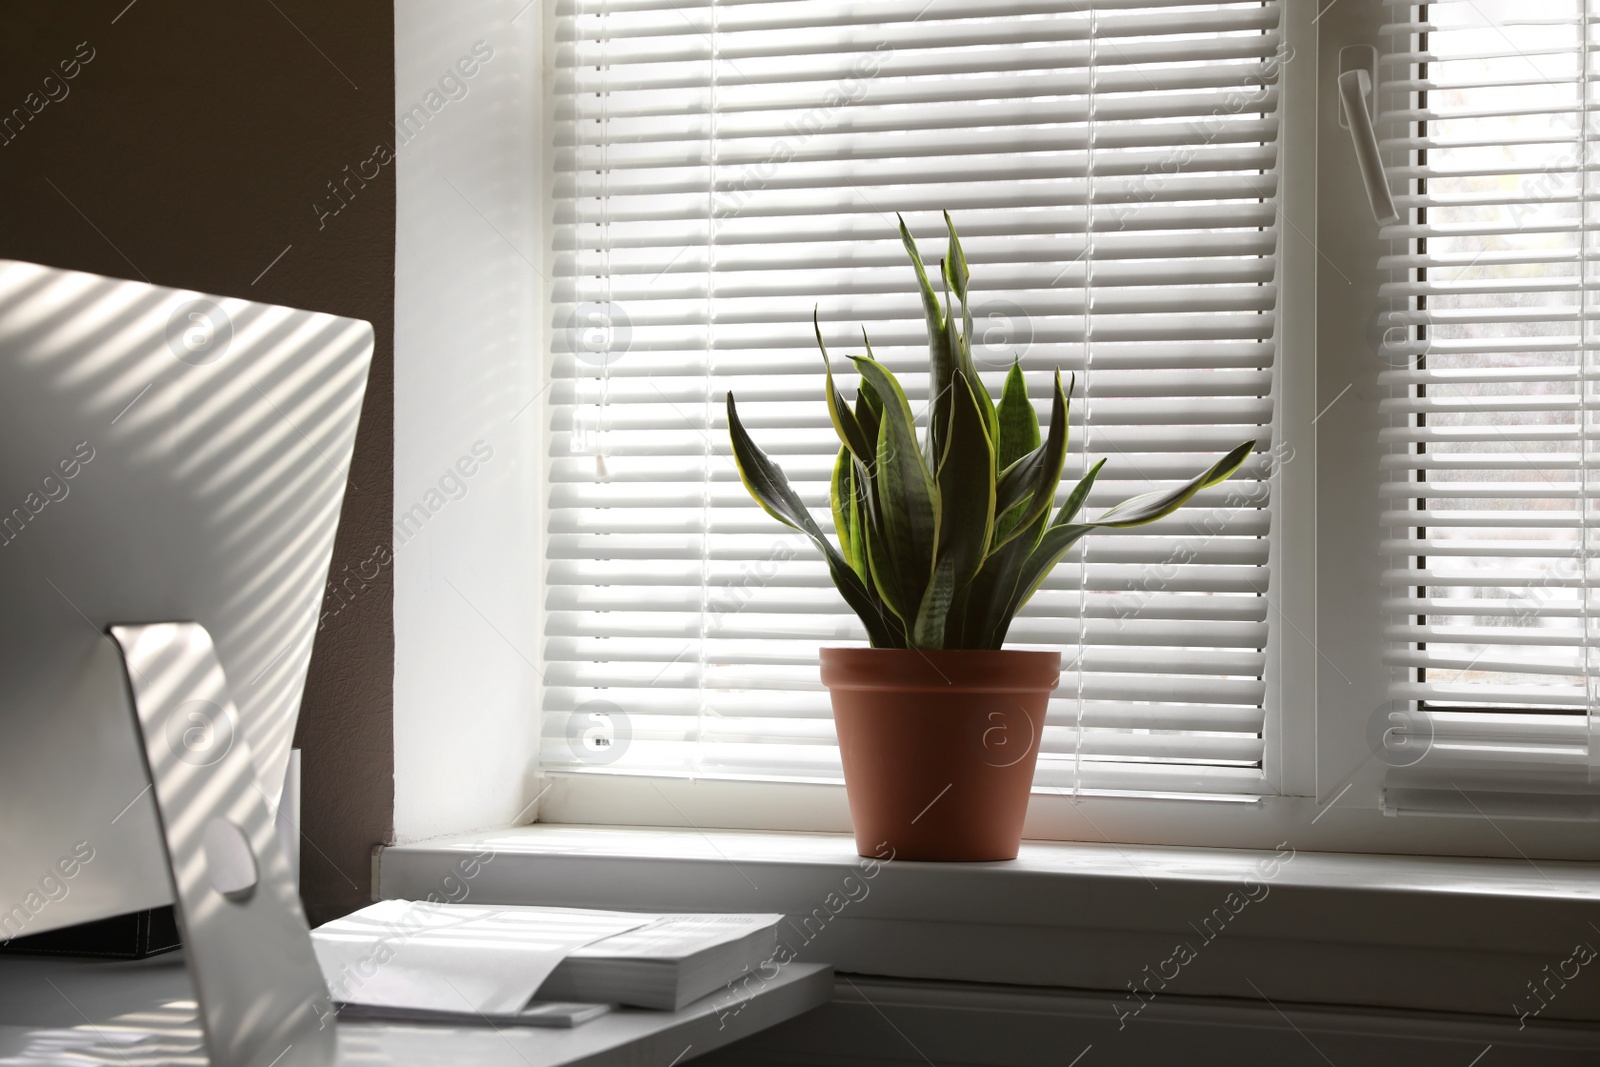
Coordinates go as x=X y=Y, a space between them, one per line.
x=935 y=609
x=906 y=490
x=766 y=481
x=845 y=502
x=845 y=423
x=1055 y=543
x=1034 y=477
x=1063 y=533
x=930 y=299
x=955 y=620
x=943 y=358
x=1075 y=499
x=770 y=488
x=1052 y=545
x=966 y=487
x=986 y=598
x=957 y=275
x=1148 y=507
x=884 y=388
x=884 y=579
x=869 y=412
x=883 y=629
x=910 y=512
x=993 y=601
x=868 y=345
x=867 y=524
x=956 y=262
x=952 y=332
x=991 y=418
x=1016 y=482
x=943 y=402
x=1019 y=423
x=1007 y=522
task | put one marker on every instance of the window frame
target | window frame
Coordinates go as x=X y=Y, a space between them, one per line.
x=1321 y=788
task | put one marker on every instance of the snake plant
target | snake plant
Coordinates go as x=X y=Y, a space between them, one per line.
x=941 y=541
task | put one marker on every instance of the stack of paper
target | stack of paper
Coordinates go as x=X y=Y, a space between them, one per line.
x=455 y=959
x=668 y=964
x=530 y=966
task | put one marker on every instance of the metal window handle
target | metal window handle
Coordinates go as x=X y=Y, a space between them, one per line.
x=1354 y=85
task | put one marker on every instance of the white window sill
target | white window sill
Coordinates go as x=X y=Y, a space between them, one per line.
x=1336 y=823
x=1440 y=933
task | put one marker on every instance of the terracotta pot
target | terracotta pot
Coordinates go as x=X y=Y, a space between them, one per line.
x=939 y=746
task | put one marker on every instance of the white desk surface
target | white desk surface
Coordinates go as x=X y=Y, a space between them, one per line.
x=55 y=1011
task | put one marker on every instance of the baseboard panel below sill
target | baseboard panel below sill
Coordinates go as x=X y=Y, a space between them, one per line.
x=877 y=1021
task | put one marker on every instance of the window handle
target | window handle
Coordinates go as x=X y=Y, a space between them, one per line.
x=1354 y=85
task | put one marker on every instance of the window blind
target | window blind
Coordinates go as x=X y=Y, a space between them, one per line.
x=721 y=169
x=1490 y=377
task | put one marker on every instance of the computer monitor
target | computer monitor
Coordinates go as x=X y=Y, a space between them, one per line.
x=164 y=456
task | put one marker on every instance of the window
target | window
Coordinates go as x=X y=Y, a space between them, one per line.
x=1488 y=392
x=721 y=169
x=1385 y=613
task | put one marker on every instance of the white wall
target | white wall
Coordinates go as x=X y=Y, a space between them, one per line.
x=467 y=345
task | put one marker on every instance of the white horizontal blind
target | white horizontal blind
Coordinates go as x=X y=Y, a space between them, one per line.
x=723 y=167
x=1490 y=500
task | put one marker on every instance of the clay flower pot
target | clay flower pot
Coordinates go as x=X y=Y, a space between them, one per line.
x=939 y=746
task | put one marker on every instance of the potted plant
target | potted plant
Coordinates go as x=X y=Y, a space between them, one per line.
x=941 y=540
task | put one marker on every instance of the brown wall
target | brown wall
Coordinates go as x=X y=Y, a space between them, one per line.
x=192 y=146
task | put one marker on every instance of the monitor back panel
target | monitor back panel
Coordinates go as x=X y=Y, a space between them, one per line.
x=164 y=456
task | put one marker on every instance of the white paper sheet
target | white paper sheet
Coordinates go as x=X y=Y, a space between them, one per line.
x=674 y=937
x=481 y=958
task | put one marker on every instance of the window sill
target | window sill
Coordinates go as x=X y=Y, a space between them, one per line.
x=1440 y=933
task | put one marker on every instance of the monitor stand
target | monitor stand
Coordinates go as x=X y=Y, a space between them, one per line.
x=261 y=996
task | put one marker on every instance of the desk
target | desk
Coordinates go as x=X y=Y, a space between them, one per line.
x=92 y=1012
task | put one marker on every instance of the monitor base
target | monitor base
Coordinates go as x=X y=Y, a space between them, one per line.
x=262 y=999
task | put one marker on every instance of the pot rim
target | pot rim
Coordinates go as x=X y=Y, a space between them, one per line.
x=941 y=670
x=851 y=649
